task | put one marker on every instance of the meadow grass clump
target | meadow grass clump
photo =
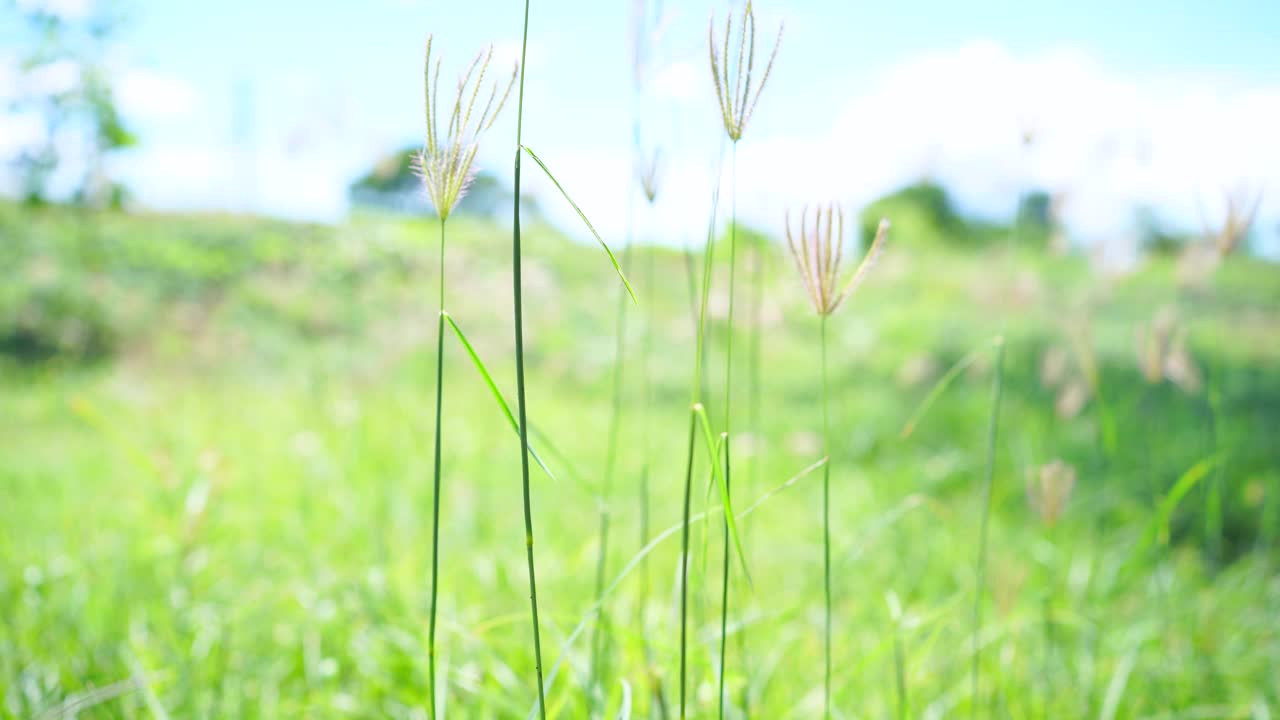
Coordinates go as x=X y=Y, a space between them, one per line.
x=817 y=247
x=736 y=97
x=445 y=167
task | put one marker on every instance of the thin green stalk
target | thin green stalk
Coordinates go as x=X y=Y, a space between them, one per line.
x=647 y=400
x=684 y=563
x=728 y=410
x=826 y=527
x=695 y=407
x=753 y=422
x=518 y=302
x=988 y=479
x=435 y=490
x=611 y=456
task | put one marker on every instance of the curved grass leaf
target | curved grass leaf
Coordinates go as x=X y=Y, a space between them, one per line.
x=617 y=268
x=939 y=387
x=725 y=500
x=493 y=388
x=1158 y=529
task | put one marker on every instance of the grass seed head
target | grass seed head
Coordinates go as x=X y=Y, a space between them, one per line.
x=648 y=167
x=1048 y=489
x=445 y=161
x=733 y=82
x=817 y=247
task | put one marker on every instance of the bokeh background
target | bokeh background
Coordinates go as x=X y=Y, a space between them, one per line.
x=217 y=347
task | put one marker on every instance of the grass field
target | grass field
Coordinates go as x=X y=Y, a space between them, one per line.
x=215 y=480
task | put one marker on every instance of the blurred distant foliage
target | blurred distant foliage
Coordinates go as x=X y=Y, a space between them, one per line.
x=923 y=213
x=67 y=82
x=393 y=184
x=1157 y=237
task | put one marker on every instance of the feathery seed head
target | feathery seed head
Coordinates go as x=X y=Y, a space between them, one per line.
x=647 y=168
x=734 y=92
x=445 y=160
x=818 y=248
x=1048 y=489
x=1163 y=353
x=1242 y=205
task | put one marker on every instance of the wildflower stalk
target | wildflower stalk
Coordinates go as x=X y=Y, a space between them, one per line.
x=518 y=303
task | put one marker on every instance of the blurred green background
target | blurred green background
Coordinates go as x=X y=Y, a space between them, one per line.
x=215 y=453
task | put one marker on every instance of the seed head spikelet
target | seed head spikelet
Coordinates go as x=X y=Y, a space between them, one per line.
x=445 y=161
x=734 y=92
x=818 y=252
x=647 y=171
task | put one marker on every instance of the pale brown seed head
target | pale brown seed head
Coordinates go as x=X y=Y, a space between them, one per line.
x=817 y=247
x=735 y=93
x=1049 y=488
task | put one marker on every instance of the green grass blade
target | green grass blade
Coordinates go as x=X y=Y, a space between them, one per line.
x=634 y=562
x=725 y=501
x=612 y=258
x=1158 y=529
x=940 y=387
x=493 y=389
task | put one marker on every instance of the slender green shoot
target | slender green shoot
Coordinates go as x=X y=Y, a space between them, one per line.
x=993 y=424
x=518 y=302
x=695 y=405
x=595 y=682
x=435 y=490
x=826 y=526
x=940 y=387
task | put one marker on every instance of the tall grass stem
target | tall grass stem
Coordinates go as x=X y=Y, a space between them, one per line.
x=993 y=425
x=518 y=302
x=435 y=491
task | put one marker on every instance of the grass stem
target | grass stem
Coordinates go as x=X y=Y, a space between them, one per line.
x=518 y=303
x=826 y=526
x=993 y=424
x=435 y=491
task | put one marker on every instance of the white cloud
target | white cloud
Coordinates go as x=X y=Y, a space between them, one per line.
x=148 y=94
x=1111 y=141
x=68 y=9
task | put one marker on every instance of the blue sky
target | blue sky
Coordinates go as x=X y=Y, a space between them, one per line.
x=274 y=106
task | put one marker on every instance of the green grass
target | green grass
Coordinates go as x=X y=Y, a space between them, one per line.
x=225 y=510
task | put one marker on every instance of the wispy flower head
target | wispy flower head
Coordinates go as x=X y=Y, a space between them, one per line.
x=1242 y=205
x=647 y=170
x=734 y=91
x=445 y=161
x=1048 y=489
x=1163 y=353
x=818 y=248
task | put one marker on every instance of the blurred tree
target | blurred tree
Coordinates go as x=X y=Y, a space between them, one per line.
x=393 y=185
x=1036 y=219
x=66 y=82
x=1155 y=236
x=920 y=212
